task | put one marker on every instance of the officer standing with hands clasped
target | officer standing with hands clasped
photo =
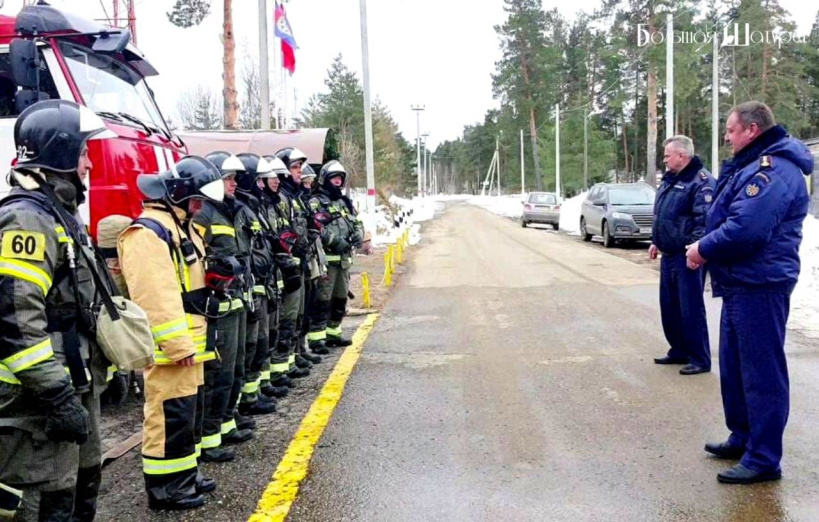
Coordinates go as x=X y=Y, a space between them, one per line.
x=682 y=202
x=751 y=248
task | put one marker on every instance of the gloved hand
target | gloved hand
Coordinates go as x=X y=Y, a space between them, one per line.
x=313 y=234
x=68 y=422
x=339 y=245
x=356 y=239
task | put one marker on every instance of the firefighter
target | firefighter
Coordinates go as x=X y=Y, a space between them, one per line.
x=162 y=261
x=342 y=232
x=257 y=345
x=294 y=218
x=217 y=223
x=308 y=177
x=51 y=370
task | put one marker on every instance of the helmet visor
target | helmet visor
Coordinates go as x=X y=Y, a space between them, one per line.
x=214 y=190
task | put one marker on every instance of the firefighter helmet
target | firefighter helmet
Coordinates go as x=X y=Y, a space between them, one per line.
x=226 y=162
x=330 y=170
x=51 y=134
x=255 y=166
x=291 y=155
x=192 y=177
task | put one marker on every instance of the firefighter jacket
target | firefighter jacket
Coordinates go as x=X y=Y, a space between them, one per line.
x=293 y=214
x=44 y=343
x=157 y=276
x=261 y=256
x=225 y=228
x=341 y=225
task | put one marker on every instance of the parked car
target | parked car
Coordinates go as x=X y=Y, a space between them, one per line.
x=618 y=211
x=541 y=207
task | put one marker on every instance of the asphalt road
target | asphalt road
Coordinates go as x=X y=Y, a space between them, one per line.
x=510 y=377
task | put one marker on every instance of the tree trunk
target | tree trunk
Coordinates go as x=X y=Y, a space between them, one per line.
x=231 y=106
x=766 y=56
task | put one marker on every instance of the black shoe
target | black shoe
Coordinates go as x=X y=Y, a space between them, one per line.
x=217 y=455
x=274 y=391
x=298 y=373
x=257 y=408
x=237 y=436
x=244 y=423
x=670 y=360
x=693 y=369
x=739 y=474
x=319 y=348
x=337 y=342
x=282 y=380
x=191 y=502
x=315 y=359
x=302 y=362
x=204 y=484
x=723 y=450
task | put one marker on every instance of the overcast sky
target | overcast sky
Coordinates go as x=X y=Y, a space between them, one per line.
x=438 y=53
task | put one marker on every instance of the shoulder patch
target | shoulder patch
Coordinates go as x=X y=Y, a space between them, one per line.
x=765 y=161
x=752 y=190
x=703 y=175
x=23 y=244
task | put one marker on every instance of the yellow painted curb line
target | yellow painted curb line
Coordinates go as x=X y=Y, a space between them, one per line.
x=283 y=488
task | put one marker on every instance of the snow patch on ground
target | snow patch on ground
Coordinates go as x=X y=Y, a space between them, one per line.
x=804 y=302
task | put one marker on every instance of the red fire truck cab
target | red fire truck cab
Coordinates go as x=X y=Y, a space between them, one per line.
x=46 y=53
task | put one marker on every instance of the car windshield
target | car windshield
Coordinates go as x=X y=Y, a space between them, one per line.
x=110 y=87
x=631 y=196
x=542 y=199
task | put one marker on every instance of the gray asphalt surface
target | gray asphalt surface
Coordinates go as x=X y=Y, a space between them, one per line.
x=510 y=377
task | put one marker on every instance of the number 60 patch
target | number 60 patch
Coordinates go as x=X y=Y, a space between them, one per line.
x=21 y=244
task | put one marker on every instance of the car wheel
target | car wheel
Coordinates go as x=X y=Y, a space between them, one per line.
x=555 y=226
x=522 y=223
x=608 y=241
x=586 y=236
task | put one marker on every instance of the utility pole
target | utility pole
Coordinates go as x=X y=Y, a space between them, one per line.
x=368 y=113
x=715 y=108
x=522 y=171
x=424 y=185
x=586 y=149
x=669 y=77
x=418 y=109
x=497 y=154
x=557 y=151
x=264 y=70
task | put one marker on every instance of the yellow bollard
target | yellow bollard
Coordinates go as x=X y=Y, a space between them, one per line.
x=392 y=257
x=388 y=266
x=365 y=287
x=400 y=252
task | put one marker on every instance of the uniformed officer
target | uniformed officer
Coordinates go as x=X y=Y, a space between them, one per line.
x=342 y=232
x=162 y=261
x=751 y=248
x=51 y=370
x=682 y=202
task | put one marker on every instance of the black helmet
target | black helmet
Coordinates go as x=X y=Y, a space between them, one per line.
x=51 y=134
x=191 y=177
x=290 y=155
x=226 y=162
x=330 y=170
x=255 y=166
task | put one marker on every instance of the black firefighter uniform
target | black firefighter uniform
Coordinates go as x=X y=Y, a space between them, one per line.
x=174 y=401
x=38 y=320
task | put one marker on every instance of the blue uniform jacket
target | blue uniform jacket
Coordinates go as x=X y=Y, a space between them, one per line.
x=754 y=226
x=680 y=207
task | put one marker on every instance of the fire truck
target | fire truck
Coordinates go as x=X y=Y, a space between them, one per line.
x=46 y=53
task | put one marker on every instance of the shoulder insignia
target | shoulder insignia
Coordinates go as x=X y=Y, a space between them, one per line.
x=763 y=177
x=703 y=175
x=23 y=244
x=752 y=190
x=765 y=161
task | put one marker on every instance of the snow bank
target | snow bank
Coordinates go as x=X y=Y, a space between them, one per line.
x=570 y=214
x=507 y=206
x=804 y=303
x=386 y=225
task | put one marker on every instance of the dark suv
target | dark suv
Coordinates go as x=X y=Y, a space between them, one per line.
x=618 y=211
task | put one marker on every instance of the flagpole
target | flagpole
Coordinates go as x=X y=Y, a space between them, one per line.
x=368 y=114
x=264 y=71
x=276 y=67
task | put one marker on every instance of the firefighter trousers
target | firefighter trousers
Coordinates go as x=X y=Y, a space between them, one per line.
x=292 y=304
x=250 y=388
x=272 y=339
x=261 y=352
x=219 y=375
x=172 y=431
x=332 y=300
x=59 y=480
